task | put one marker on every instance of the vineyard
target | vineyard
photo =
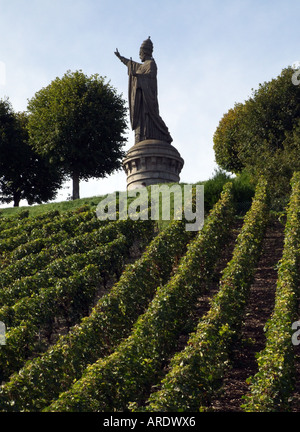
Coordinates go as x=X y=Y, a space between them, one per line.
x=114 y=316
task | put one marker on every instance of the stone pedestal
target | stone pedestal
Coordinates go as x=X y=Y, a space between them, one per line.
x=151 y=162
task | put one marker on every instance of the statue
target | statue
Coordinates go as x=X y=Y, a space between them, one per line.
x=143 y=104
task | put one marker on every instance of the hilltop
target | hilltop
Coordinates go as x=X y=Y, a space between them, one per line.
x=130 y=315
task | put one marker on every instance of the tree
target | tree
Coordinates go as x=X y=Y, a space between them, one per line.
x=23 y=173
x=226 y=140
x=261 y=134
x=78 y=123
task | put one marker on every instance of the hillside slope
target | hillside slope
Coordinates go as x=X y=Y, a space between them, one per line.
x=105 y=316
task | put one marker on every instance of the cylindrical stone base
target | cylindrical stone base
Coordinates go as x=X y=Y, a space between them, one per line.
x=151 y=162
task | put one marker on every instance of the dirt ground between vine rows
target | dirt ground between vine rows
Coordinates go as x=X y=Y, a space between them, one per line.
x=258 y=310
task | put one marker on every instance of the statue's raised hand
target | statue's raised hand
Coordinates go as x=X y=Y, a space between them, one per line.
x=117 y=53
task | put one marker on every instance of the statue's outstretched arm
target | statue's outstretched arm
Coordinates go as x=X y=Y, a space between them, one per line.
x=123 y=59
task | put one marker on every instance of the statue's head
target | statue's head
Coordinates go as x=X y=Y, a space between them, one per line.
x=146 y=49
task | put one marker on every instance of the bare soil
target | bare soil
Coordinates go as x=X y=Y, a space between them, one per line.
x=258 y=311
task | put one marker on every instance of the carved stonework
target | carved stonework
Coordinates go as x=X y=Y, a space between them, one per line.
x=152 y=162
x=152 y=159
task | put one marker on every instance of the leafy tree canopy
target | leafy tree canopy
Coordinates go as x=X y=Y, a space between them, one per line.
x=23 y=173
x=261 y=135
x=78 y=123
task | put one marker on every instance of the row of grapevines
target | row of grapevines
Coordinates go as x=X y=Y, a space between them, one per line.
x=272 y=385
x=6 y=223
x=28 y=225
x=67 y=297
x=196 y=372
x=43 y=378
x=80 y=243
x=62 y=269
x=15 y=225
x=35 y=244
x=112 y=382
x=56 y=269
x=63 y=290
x=68 y=223
x=26 y=340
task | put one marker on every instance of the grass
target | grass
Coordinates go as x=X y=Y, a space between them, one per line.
x=62 y=206
x=242 y=187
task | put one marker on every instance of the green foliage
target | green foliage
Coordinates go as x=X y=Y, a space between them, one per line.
x=23 y=173
x=40 y=228
x=213 y=188
x=243 y=190
x=262 y=134
x=271 y=387
x=97 y=334
x=65 y=288
x=111 y=383
x=196 y=372
x=78 y=122
x=116 y=342
x=61 y=207
x=226 y=140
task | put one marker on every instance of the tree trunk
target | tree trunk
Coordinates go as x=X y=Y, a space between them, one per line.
x=17 y=199
x=75 y=194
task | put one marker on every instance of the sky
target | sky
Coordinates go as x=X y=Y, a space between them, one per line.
x=210 y=54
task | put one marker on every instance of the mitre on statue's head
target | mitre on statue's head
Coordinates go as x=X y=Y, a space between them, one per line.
x=147 y=46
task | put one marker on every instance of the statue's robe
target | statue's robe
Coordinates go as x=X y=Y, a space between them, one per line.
x=143 y=102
